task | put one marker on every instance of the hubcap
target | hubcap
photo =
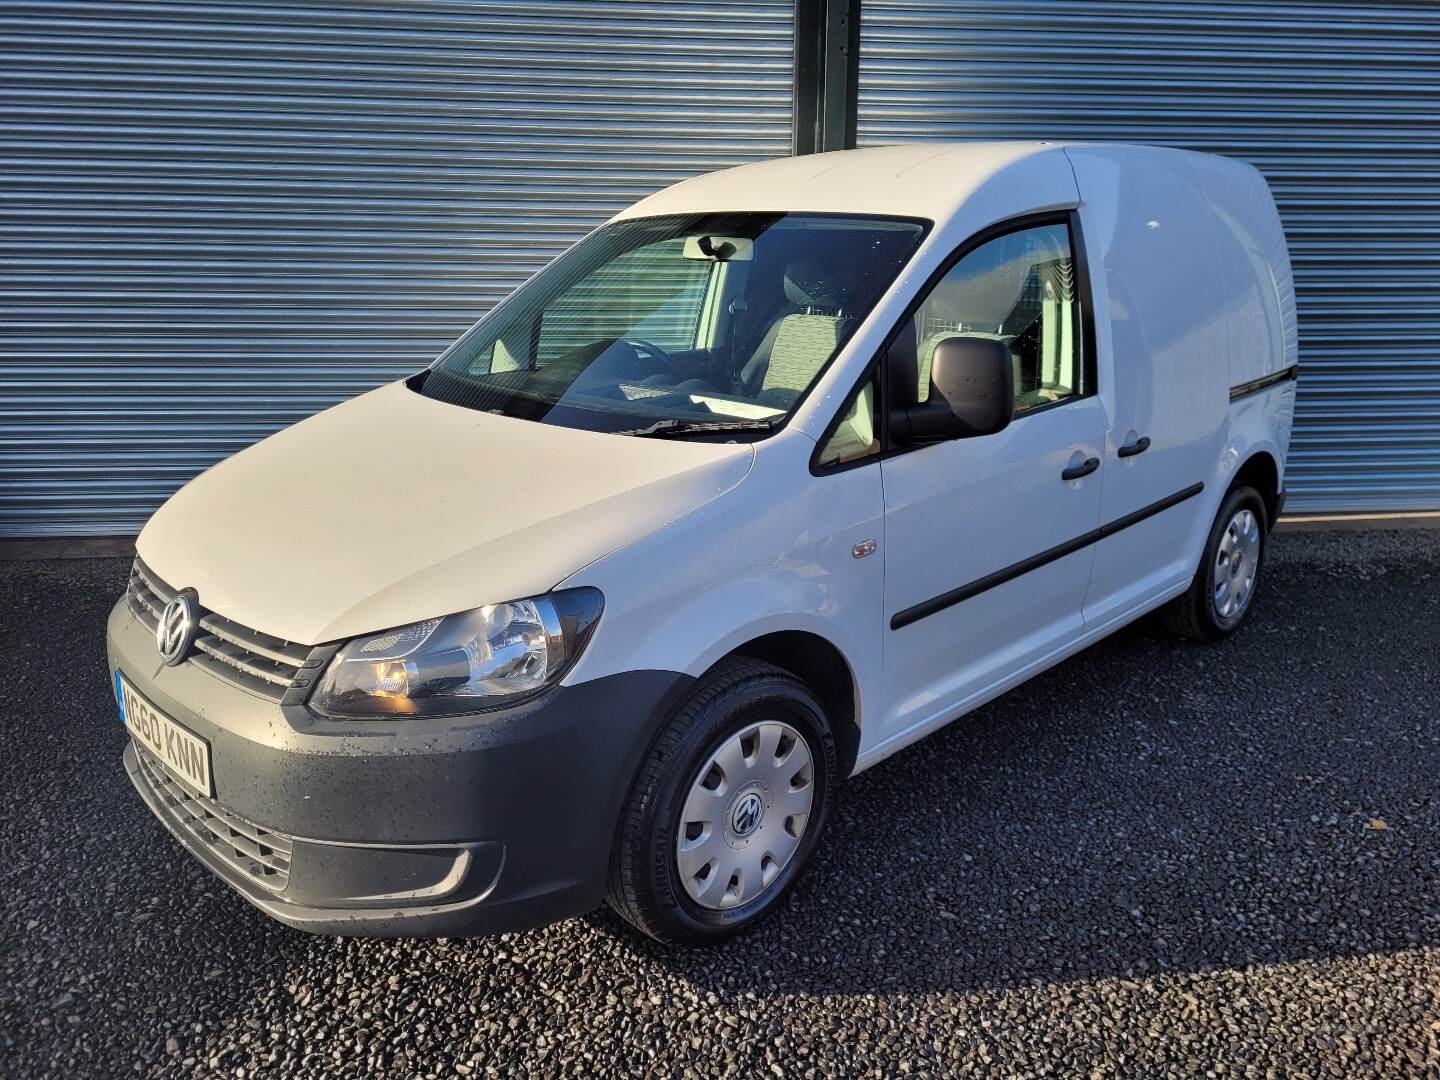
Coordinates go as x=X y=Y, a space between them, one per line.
x=1236 y=563
x=745 y=815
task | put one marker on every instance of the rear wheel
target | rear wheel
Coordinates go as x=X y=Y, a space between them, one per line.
x=726 y=809
x=1223 y=591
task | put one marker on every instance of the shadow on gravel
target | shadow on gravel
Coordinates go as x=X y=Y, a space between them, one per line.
x=1147 y=806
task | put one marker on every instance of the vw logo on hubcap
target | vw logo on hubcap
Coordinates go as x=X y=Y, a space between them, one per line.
x=746 y=816
x=175 y=632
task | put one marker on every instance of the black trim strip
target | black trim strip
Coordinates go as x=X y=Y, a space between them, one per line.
x=965 y=592
x=1254 y=386
x=1150 y=511
x=989 y=581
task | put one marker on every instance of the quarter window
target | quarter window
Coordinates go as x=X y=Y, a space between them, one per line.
x=1020 y=289
x=857 y=434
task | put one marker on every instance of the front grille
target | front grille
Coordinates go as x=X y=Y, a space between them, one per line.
x=266 y=666
x=262 y=854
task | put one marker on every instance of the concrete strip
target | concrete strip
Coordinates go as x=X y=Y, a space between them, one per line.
x=69 y=547
x=1414 y=519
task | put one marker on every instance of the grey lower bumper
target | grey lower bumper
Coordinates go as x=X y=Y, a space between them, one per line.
x=436 y=890
x=467 y=825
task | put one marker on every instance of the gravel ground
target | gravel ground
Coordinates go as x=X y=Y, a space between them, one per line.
x=1156 y=859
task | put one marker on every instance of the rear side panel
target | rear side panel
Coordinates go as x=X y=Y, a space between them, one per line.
x=1164 y=366
x=1259 y=308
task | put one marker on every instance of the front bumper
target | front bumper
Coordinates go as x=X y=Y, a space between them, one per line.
x=430 y=827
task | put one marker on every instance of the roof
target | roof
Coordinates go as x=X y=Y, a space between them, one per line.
x=921 y=179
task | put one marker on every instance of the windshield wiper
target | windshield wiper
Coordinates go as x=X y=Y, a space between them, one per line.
x=671 y=428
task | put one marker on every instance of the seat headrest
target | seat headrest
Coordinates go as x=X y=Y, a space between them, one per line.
x=982 y=291
x=980 y=296
x=807 y=286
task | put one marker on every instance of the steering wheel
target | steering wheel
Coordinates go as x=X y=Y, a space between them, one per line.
x=648 y=350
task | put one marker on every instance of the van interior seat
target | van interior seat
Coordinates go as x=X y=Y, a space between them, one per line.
x=802 y=344
x=978 y=298
x=798 y=343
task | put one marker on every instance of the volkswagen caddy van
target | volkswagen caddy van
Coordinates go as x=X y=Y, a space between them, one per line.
x=773 y=474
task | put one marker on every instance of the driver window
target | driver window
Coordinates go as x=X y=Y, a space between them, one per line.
x=1020 y=289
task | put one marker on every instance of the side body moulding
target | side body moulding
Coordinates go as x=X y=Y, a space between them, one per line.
x=1265 y=382
x=1024 y=566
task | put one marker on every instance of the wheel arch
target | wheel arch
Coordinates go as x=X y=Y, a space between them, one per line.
x=819 y=663
x=1262 y=472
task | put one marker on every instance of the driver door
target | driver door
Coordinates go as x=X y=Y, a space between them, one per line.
x=989 y=540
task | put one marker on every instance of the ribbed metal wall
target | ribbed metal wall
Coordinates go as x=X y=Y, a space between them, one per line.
x=221 y=217
x=1338 y=104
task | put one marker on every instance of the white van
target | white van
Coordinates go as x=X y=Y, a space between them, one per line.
x=773 y=474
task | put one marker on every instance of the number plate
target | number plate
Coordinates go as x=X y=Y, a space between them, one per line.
x=187 y=755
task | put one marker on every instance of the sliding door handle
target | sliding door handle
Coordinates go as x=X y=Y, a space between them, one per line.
x=1139 y=446
x=1085 y=468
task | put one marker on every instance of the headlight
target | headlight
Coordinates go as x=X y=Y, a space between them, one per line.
x=461 y=663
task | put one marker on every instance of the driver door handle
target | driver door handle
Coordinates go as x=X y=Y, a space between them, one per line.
x=1139 y=446
x=1085 y=468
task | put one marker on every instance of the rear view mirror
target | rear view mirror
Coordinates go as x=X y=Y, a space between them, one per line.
x=719 y=248
x=972 y=392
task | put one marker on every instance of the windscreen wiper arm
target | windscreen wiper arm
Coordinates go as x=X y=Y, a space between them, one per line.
x=671 y=428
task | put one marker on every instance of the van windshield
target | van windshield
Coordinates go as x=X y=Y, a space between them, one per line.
x=679 y=325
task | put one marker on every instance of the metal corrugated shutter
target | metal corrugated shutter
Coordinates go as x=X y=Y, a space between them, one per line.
x=221 y=217
x=1338 y=104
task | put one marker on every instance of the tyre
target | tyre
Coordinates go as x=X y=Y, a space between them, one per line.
x=726 y=809
x=1223 y=592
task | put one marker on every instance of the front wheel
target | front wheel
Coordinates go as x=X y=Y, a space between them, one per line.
x=1223 y=592
x=726 y=809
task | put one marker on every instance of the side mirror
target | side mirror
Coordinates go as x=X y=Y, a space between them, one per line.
x=972 y=392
